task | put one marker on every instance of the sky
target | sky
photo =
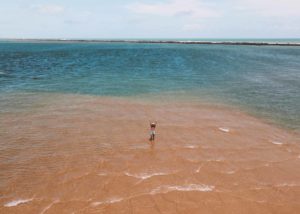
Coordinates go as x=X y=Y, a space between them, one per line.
x=99 y=19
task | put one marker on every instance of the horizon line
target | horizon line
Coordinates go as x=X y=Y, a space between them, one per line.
x=203 y=41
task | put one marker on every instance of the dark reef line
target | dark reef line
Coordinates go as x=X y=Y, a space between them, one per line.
x=157 y=42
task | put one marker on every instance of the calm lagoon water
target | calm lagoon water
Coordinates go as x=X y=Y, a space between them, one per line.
x=264 y=80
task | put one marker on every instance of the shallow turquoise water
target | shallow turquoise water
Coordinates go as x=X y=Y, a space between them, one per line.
x=263 y=80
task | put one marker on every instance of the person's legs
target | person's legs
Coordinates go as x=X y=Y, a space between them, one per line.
x=152 y=136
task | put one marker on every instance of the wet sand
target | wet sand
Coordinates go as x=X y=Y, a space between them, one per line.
x=84 y=154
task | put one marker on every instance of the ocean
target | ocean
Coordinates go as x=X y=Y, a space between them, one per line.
x=74 y=128
x=264 y=81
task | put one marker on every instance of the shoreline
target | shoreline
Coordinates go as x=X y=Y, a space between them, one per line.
x=42 y=100
x=163 y=98
x=234 y=43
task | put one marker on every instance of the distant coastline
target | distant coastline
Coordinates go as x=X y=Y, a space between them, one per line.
x=146 y=41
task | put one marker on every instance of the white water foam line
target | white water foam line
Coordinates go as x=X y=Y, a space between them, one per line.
x=230 y=172
x=17 y=202
x=184 y=188
x=199 y=168
x=190 y=146
x=161 y=189
x=224 y=129
x=145 y=176
x=108 y=201
x=277 y=142
x=216 y=160
x=49 y=206
x=286 y=185
x=102 y=174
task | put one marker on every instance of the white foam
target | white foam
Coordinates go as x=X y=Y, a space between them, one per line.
x=114 y=200
x=108 y=201
x=97 y=203
x=199 y=168
x=286 y=185
x=230 y=172
x=190 y=146
x=144 y=176
x=17 y=202
x=187 y=187
x=2 y=73
x=49 y=206
x=102 y=174
x=258 y=188
x=277 y=142
x=224 y=129
x=216 y=160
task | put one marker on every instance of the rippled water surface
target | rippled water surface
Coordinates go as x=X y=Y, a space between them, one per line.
x=263 y=80
x=74 y=124
x=90 y=154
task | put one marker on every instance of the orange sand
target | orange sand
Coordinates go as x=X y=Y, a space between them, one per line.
x=82 y=154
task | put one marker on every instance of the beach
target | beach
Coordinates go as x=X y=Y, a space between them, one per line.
x=70 y=153
x=74 y=128
x=150 y=107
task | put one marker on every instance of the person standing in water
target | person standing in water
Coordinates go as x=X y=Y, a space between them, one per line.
x=152 y=130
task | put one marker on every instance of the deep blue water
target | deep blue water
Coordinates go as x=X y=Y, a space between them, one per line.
x=264 y=80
